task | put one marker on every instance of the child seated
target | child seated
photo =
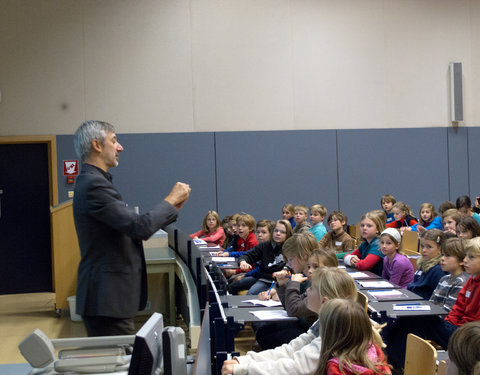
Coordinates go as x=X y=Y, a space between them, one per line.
x=403 y=217
x=466 y=309
x=264 y=230
x=288 y=213
x=387 y=201
x=429 y=271
x=349 y=346
x=468 y=228
x=229 y=224
x=317 y=215
x=301 y=224
x=291 y=288
x=446 y=292
x=211 y=231
x=397 y=268
x=269 y=257
x=464 y=350
x=300 y=356
x=428 y=219
x=450 y=218
x=368 y=255
x=337 y=238
x=464 y=207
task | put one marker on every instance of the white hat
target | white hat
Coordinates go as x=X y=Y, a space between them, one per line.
x=394 y=233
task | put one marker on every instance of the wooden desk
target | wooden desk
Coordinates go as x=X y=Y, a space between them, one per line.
x=163 y=260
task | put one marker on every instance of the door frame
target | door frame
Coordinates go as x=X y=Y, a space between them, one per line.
x=51 y=141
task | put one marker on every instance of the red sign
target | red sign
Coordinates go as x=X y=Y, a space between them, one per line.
x=70 y=167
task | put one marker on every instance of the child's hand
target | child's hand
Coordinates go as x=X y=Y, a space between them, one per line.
x=354 y=260
x=227 y=367
x=228 y=272
x=299 y=277
x=421 y=229
x=223 y=254
x=282 y=277
x=403 y=229
x=244 y=266
x=264 y=296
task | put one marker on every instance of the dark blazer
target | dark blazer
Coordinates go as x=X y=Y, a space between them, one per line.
x=112 y=279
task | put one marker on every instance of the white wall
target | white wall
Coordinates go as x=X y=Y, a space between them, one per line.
x=180 y=66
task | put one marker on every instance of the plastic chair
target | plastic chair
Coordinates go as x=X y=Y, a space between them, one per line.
x=420 y=357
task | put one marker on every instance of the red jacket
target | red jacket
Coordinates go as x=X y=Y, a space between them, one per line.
x=216 y=237
x=246 y=244
x=378 y=358
x=467 y=307
x=406 y=221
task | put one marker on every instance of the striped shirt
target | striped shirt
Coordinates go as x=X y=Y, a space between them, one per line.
x=446 y=292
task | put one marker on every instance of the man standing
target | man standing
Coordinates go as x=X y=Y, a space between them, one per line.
x=112 y=279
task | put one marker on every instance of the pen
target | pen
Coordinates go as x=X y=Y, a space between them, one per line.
x=271 y=286
x=408 y=304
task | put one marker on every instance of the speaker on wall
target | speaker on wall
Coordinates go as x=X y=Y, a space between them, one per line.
x=456 y=92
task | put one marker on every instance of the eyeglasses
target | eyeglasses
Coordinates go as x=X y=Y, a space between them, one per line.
x=279 y=231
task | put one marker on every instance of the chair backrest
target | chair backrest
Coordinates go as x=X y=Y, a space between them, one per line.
x=420 y=357
x=354 y=231
x=442 y=368
x=362 y=299
x=410 y=241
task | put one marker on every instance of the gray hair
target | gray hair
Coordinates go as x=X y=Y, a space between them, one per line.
x=86 y=133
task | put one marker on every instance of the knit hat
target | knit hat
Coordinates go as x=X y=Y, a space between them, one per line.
x=394 y=233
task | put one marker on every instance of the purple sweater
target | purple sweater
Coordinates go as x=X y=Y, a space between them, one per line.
x=399 y=271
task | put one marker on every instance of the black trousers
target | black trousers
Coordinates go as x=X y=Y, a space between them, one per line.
x=107 y=326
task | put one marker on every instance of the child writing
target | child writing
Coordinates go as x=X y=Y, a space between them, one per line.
x=300 y=356
x=428 y=219
x=269 y=257
x=290 y=288
x=403 y=217
x=397 y=268
x=468 y=228
x=212 y=230
x=368 y=255
x=450 y=218
x=446 y=292
x=337 y=238
x=288 y=212
x=317 y=215
x=429 y=271
x=349 y=346
x=300 y=217
x=464 y=350
x=387 y=201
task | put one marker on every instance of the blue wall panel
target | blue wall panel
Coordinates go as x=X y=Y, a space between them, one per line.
x=473 y=136
x=410 y=164
x=258 y=172
x=458 y=162
x=151 y=164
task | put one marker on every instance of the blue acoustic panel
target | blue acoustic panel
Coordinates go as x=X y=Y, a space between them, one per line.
x=473 y=135
x=458 y=161
x=410 y=164
x=258 y=172
x=152 y=163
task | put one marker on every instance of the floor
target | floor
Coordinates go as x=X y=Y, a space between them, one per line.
x=20 y=314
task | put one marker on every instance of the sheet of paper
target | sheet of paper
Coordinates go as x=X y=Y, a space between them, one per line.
x=358 y=275
x=411 y=307
x=375 y=284
x=213 y=253
x=271 y=314
x=198 y=241
x=385 y=293
x=223 y=259
x=267 y=303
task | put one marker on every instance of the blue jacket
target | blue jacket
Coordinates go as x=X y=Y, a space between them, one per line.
x=424 y=283
x=435 y=224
